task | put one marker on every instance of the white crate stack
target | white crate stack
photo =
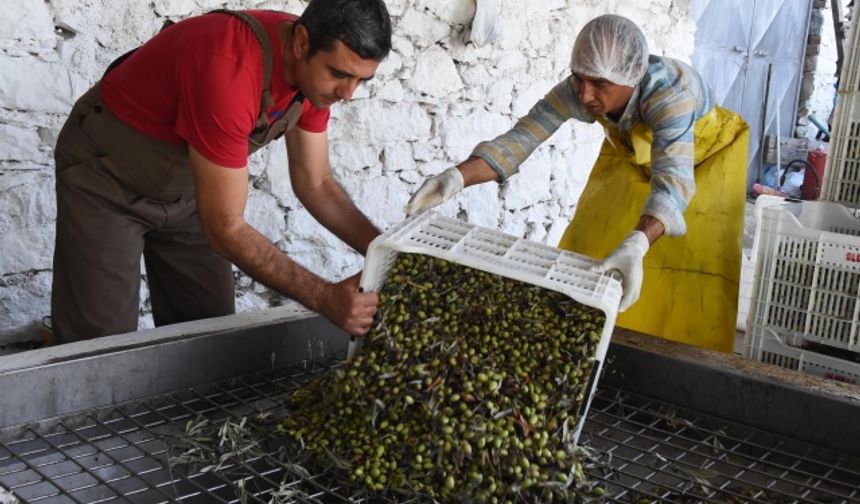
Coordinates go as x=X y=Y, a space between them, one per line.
x=748 y=263
x=842 y=174
x=807 y=290
x=849 y=81
x=805 y=307
x=841 y=182
x=495 y=252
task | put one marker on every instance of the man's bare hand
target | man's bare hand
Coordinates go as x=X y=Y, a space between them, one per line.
x=348 y=308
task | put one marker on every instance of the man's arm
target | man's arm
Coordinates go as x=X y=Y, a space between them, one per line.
x=316 y=188
x=501 y=157
x=505 y=153
x=652 y=227
x=476 y=171
x=672 y=119
x=221 y=197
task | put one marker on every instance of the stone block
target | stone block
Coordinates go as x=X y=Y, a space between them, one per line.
x=371 y=121
x=29 y=83
x=435 y=74
x=19 y=144
x=381 y=198
x=175 y=8
x=532 y=184
x=526 y=98
x=26 y=22
x=448 y=11
x=461 y=135
x=263 y=213
x=24 y=300
x=399 y=158
x=422 y=28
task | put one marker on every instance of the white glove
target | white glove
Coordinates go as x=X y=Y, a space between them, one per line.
x=627 y=260
x=435 y=190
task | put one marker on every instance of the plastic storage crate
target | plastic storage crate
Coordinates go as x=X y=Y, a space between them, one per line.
x=748 y=261
x=841 y=182
x=764 y=344
x=508 y=256
x=849 y=79
x=808 y=274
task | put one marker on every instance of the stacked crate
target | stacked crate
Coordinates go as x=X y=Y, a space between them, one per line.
x=805 y=310
x=805 y=307
x=841 y=182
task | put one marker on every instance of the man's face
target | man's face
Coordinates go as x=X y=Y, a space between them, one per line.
x=600 y=96
x=330 y=76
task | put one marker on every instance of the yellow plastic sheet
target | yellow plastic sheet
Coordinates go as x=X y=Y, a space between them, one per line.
x=690 y=288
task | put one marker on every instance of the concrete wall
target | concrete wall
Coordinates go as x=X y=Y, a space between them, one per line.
x=434 y=98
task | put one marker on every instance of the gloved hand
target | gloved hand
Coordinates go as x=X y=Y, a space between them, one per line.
x=435 y=190
x=627 y=260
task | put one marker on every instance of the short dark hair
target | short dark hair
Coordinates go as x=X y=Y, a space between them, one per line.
x=362 y=25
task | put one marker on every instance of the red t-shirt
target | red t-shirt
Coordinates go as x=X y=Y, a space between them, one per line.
x=200 y=82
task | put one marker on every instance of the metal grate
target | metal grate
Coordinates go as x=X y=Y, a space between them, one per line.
x=645 y=451
x=653 y=451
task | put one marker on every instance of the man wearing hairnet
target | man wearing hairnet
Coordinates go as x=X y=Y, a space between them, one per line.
x=666 y=141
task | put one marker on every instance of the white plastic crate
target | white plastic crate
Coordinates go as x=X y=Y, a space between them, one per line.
x=764 y=345
x=849 y=79
x=745 y=290
x=807 y=278
x=841 y=182
x=749 y=258
x=508 y=256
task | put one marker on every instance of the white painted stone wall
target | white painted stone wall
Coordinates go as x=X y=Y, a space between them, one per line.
x=821 y=100
x=434 y=99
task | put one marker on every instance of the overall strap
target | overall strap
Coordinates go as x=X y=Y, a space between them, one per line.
x=266 y=46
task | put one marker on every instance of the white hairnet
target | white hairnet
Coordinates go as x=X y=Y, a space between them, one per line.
x=611 y=47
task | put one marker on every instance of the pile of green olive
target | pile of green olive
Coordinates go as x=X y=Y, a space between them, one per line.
x=467 y=389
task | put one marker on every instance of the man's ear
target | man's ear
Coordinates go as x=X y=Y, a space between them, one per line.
x=301 y=42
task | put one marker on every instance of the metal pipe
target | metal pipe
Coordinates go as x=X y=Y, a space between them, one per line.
x=822 y=128
x=763 y=124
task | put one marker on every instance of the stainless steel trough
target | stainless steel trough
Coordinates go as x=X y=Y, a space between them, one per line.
x=90 y=422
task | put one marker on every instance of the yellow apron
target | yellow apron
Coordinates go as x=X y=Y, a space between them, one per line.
x=690 y=288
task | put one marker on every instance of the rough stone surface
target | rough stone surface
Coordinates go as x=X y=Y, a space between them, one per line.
x=251 y=301
x=26 y=222
x=24 y=300
x=26 y=23
x=460 y=135
x=435 y=74
x=381 y=198
x=422 y=28
x=31 y=83
x=21 y=145
x=263 y=212
x=380 y=123
x=431 y=101
x=449 y=11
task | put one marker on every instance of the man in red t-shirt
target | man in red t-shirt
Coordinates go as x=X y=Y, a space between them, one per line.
x=153 y=161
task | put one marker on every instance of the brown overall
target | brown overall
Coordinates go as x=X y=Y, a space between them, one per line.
x=122 y=194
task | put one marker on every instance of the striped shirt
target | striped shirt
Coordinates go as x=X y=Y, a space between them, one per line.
x=669 y=99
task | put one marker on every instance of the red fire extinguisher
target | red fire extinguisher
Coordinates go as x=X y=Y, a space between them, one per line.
x=812 y=181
